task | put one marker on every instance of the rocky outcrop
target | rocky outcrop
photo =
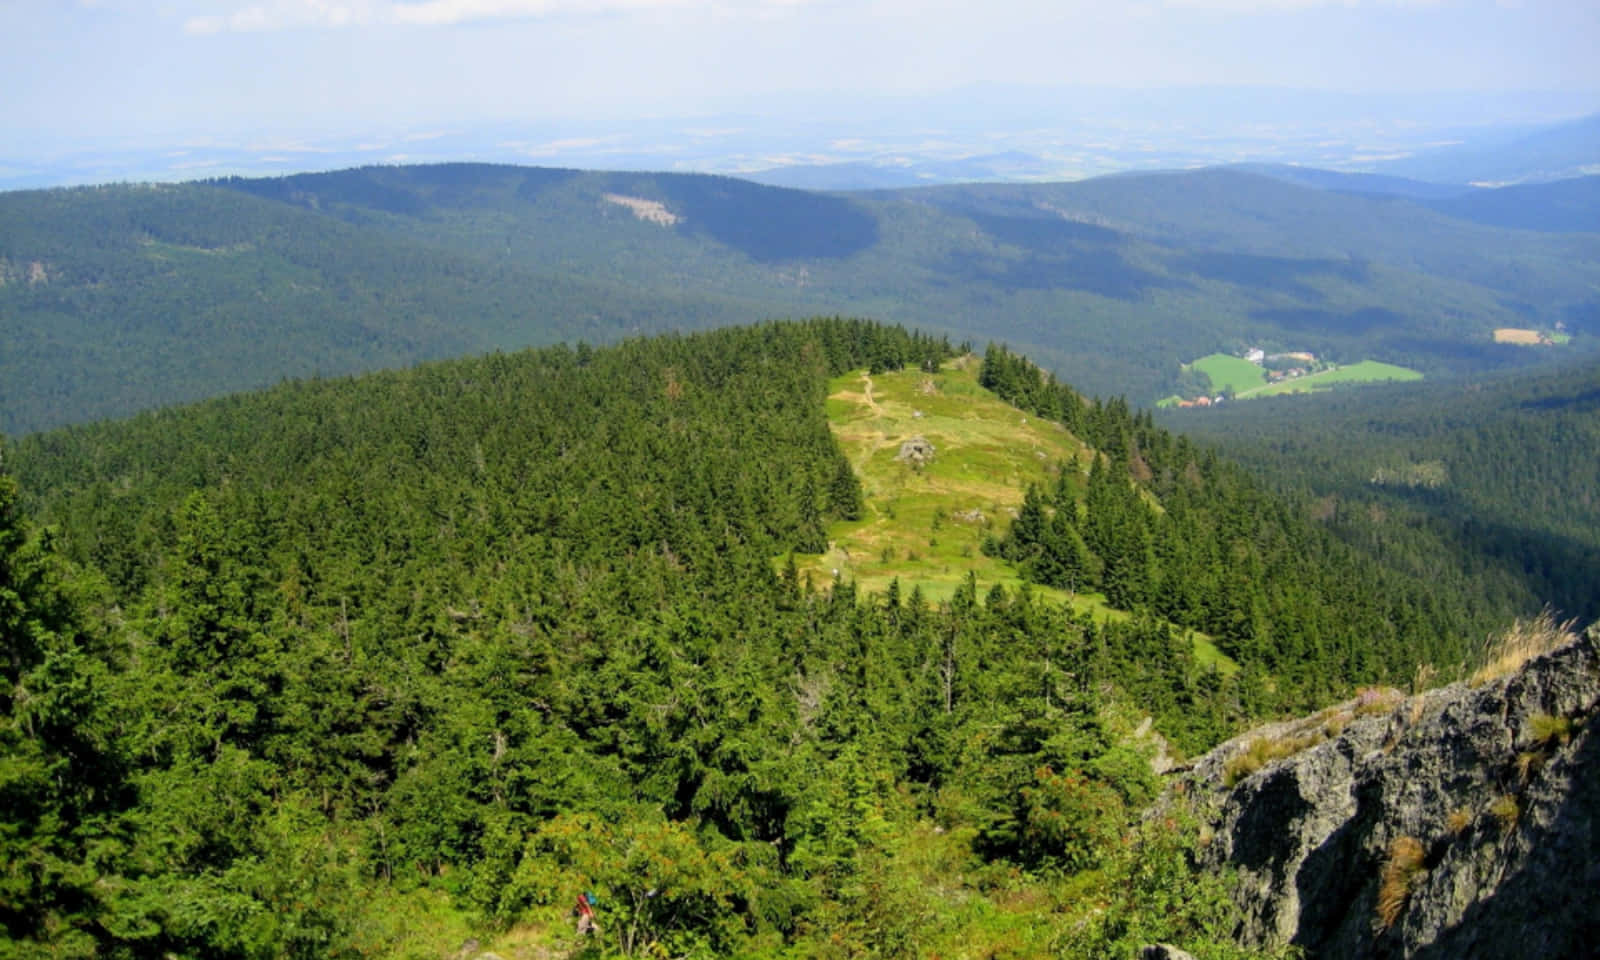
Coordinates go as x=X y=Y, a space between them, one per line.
x=917 y=451
x=1464 y=822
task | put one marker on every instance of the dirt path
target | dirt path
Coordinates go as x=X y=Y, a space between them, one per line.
x=872 y=404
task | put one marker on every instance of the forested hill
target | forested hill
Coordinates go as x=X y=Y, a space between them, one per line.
x=359 y=667
x=118 y=299
x=121 y=298
x=1492 y=479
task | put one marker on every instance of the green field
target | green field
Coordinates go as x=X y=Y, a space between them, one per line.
x=925 y=527
x=1367 y=371
x=1230 y=372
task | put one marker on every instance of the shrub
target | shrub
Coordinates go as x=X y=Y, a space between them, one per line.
x=1402 y=870
x=1069 y=819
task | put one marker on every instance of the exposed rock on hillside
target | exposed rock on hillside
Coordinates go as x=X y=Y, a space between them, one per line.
x=917 y=451
x=1465 y=817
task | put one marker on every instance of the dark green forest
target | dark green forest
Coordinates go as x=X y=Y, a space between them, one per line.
x=1492 y=481
x=124 y=298
x=341 y=667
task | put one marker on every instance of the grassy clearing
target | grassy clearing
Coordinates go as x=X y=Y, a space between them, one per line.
x=1367 y=371
x=925 y=527
x=1230 y=372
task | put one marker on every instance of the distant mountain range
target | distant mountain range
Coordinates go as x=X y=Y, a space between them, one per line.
x=1486 y=157
x=1554 y=152
x=121 y=298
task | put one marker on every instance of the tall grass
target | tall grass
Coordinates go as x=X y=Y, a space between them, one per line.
x=1522 y=641
x=1401 y=873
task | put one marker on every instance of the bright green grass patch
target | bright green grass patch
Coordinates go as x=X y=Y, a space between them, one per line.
x=1229 y=372
x=1367 y=371
x=1206 y=655
x=925 y=527
x=1560 y=338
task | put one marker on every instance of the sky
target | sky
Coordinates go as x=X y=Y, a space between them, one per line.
x=76 y=70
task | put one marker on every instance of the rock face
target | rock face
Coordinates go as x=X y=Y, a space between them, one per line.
x=1498 y=786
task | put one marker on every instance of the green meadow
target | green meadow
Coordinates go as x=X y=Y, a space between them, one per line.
x=1249 y=381
x=1228 y=371
x=1367 y=371
x=924 y=525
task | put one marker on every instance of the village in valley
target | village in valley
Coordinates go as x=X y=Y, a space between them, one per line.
x=1221 y=377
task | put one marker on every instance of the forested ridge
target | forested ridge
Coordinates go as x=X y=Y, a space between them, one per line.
x=344 y=667
x=123 y=298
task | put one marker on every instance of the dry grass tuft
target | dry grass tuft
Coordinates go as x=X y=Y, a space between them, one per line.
x=1458 y=821
x=1523 y=641
x=1263 y=750
x=1401 y=872
x=1423 y=679
x=1529 y=763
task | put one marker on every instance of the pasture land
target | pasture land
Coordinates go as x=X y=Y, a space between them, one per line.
x=1228 y=371
x=1367 y=371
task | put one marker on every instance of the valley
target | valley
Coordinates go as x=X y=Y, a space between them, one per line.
x=1113 y=283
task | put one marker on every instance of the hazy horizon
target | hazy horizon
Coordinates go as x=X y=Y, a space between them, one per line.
x=120 y=89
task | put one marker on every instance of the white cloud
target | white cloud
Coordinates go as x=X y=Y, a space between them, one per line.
x=284 y=14
x=291 y=14
x=1290 y=6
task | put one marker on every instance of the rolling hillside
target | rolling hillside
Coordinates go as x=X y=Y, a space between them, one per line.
x=1555 y=152
x=1565 y=206
x=367 y=666
x=1490 y=479
x=122 y=298
x=375 y=666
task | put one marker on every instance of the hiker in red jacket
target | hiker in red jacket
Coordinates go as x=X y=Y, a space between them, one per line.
x=585 y=912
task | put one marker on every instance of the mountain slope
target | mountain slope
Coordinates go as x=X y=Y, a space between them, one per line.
x=1558 y=151
x=465 y=640
x=1567 y=206
x=122 y=297
x=1490 y=478
x=377 y=665
x=125 y=298
x=1369 y=183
